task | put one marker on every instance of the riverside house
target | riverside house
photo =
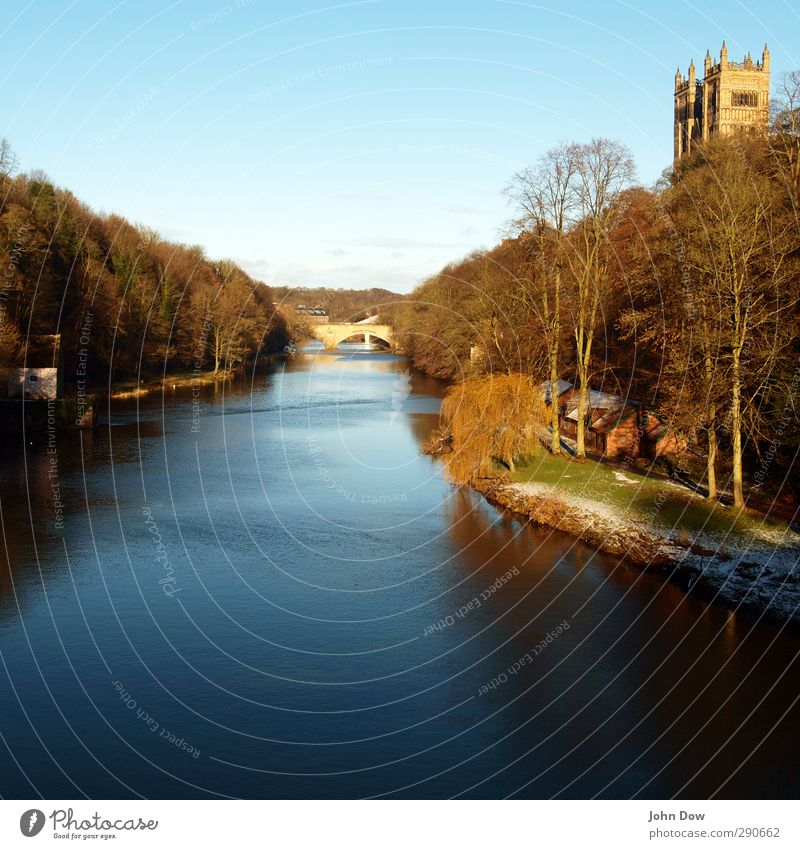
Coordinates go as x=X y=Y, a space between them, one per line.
x=616 y=426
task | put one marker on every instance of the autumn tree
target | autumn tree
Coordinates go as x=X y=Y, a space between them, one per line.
x=143 y=298
x=432 y=324
x=494 y=419
x=232 y=316
x=10 y=339
x=671 y=332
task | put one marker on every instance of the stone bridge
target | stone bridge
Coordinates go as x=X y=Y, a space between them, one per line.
x=332 y=334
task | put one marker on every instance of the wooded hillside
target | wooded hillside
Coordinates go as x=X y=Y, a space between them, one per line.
x=123 y=299
x=683 y=296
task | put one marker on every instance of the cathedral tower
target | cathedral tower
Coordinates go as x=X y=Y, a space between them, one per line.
x=731 y=97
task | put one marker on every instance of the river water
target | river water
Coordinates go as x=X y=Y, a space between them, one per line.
x=265 y=590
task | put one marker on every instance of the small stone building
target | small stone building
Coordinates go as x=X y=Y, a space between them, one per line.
x=616 y=427
x=313 y=315
x=40 y=375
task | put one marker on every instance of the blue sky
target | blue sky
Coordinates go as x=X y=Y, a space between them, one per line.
x=345 y=144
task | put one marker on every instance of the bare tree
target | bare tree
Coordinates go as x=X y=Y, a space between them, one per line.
x=8 y=160
x=544 y=197
x=673 y=317
x=604 y=169
x=785 y=136
x=233 y=322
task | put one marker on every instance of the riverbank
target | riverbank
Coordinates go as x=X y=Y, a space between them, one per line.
x=138 y=389
x=746 y=562
x=180 y=380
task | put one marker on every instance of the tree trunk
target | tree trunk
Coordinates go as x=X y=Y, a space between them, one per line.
x=581 y=437
x=711 y=458
x=736 y=429
x=555 y=439
x=585 y=337
x=217 y=350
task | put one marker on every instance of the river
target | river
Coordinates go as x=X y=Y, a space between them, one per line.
x=266 y=590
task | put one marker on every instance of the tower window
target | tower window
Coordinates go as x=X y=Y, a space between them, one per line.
x=744 y=98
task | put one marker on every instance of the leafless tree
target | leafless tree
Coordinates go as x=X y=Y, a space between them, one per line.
x=8 y=161
x=544 y=198
x=604 y=169
x=785 y=136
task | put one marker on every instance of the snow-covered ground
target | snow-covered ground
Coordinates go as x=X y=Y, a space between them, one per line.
x=758 y=571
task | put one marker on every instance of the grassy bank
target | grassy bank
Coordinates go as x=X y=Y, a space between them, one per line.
x=650 y=498
x=743 y=560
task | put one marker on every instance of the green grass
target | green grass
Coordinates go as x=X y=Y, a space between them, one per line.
x=649 y=500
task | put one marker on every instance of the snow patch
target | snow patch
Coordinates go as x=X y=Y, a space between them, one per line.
x=760 y=573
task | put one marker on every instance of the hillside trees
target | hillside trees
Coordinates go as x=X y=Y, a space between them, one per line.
x=671 y=332
x=566 y=209
x=343 y=305
x=784 y=140
x=127 y=300
x=475 y=316
x=233 y=316
x=432 y=325
x=10 y=339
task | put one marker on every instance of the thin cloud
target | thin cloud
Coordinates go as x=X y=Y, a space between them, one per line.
x=463 y=210
x=397 y=243
x=352 y=276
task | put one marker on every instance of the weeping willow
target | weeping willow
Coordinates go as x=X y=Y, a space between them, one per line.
x=490 y=421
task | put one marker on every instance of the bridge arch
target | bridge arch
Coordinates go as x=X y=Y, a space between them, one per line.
x=332 y=335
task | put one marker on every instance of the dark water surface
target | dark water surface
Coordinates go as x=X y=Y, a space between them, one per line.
x=298 y=635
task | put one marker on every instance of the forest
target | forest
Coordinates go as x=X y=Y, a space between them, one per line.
x=125 y=301
x=683 y=296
